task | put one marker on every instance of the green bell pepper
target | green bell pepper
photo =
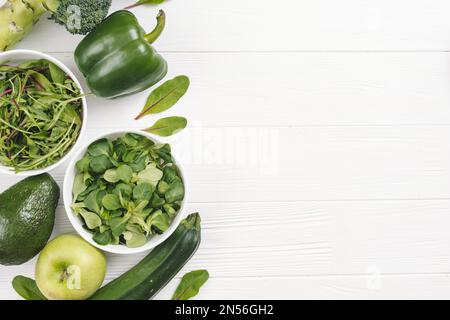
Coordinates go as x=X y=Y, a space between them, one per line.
x=117 y=58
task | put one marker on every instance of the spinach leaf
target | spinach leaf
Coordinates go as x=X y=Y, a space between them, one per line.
x=190 y=285
x=119 y=224
x=134 y=228
x=125 y=173
x=165 y=96
x=103 y=228
x=124 y=190
x=164 y=151
x=119 y=149
x=137 y=221
x=100 y=164
x=175 y=192
x=139 y=164
x=57 y=75
x=99 y=147
x=150 y=175
x=157 y=201
x=111 y=175
x=141 y=2
x=140 y=206
x=134 y=239
x=158 y=221
x=143 y=191
x=82 y=165
x=130 y=156
x=163 y=187
x=91 y=201
x=111 y=202
x=78 y=185
x=92 y=220
x=100 y=195
x=131 y=139
x=170 y=173
x=27 y=288
x=103 y=238
x=166 y=127
x=171 y=211
x=42 y=81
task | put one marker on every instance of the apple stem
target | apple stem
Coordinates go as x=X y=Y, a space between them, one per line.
x=65 y=275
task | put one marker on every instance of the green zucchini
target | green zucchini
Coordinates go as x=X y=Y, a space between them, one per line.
x=153 y=273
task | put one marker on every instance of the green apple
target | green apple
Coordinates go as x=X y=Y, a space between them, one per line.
x=69 y=268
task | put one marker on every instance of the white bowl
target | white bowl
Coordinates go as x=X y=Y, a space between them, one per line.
x=76 y=221
x=18 y=56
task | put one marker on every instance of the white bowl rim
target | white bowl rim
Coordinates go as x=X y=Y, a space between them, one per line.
x=40 y=55
x=76 y=222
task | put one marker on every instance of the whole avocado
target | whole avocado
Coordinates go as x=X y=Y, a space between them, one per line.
x=27 y=217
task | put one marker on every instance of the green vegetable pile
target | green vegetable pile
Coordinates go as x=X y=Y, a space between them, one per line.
x=40 y=114
x=151 y=274
x=127 y=190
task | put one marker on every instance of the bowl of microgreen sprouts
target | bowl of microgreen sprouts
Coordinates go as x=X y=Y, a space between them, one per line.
x=42 y=112
x=124 y=192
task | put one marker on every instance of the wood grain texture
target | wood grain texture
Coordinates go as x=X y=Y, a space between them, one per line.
x=378 y=241
x=428 y=287
x=308 y=163
x=318 y=147
x=301 y=89
x=255 y=25
x=307 y=238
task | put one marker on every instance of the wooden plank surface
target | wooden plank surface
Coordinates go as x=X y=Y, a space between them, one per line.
x=316 y=240
x=308 y=163
x=307 y=25
x=297 y=89
x=351 y=287
x=318 y=147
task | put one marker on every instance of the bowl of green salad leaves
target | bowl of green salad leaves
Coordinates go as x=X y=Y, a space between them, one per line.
x=42 y=112
x=124 y=192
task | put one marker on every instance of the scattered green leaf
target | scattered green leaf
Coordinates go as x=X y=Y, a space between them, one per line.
x=27 y=288
x=190 y=285
x=141 y=2
x=166 y=127
x=165 y=96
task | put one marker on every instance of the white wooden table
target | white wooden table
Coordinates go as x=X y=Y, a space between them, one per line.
x=319 y=144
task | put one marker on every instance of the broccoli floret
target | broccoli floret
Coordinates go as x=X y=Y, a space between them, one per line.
x=81 y=16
